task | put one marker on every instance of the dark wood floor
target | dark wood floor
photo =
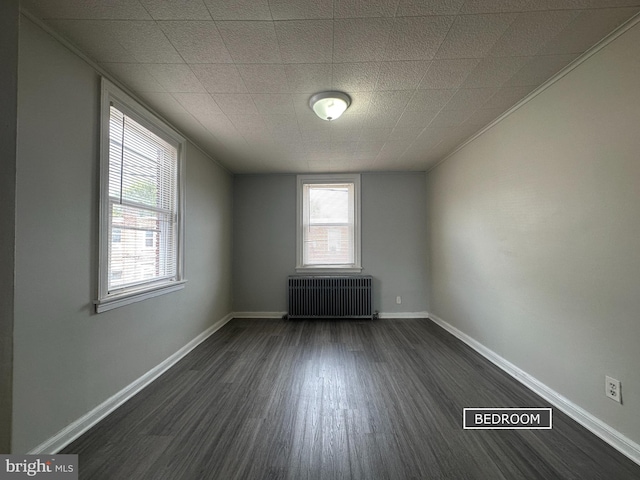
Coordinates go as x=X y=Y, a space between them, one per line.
x=383 y=399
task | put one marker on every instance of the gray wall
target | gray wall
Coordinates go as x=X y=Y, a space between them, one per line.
x=394 y=234
x=9 y=20
x=264 y=241
x=67 y=359
x=535 y=230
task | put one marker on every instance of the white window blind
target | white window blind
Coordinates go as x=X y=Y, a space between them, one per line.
x=141 y=236
x=143 y=203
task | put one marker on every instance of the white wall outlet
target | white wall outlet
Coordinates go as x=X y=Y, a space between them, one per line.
x=398 y=299
x=612 y=389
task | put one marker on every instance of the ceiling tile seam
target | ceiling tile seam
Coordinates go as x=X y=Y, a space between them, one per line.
x=305 y=156
x=375 y=160
x=444 y=39
x=431 y=62
x=424 y=74
x=515 y=75
x=539 y=10
x=508 y=11
x=75 y=19
x=501 y=84
x=502 y=35
x=223 y=113
x=396 y=124
x=275 y=35
x=85 y=20
x=418 y=135
x=540 y=46
x=585 y=8
x=144 y=67
x=233 y=62
x=387 y=42
x=191 y=115
x=159 y=22
x=295 y=112
x=179 y=54
x=208 y=10
x=498 y=89
x=442 y=109
x=356 y=135
x=201 y=84
x=356 y=62
x=163 y=34
x=270 y=12
x=395 y=15
x=365 y=116
x=404 y=150
x=253 y=20
x=399 y=159
x=630 y=23
x=145 y=9
x=431 y=15
x=386 y=46
x=333 y=43
x=395 y=11
x=573 y=21
x=123 y=48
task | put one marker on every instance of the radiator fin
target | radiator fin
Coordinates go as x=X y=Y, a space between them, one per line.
x=330 y=297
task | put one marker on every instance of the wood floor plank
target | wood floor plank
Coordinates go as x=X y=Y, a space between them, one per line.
x=335 y=399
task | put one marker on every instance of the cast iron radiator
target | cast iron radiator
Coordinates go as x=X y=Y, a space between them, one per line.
x=330 y=297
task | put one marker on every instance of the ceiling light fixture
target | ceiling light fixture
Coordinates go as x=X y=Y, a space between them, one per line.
x=329 y=105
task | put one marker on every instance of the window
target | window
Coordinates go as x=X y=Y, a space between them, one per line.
x=328 y=223
x=141 y=219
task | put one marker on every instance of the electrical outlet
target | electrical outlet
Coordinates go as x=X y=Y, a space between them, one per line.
x=612 y=389
x=398 y=299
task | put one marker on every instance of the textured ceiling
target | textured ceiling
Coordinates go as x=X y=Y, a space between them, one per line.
x=424 y=75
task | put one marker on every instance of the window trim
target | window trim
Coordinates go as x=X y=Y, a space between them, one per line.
x=111 y=94
x=338 y=178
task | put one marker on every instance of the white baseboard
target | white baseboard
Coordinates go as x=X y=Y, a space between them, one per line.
x=68 y=434
x=403 y=314
x=617 y=440
x=258 y=314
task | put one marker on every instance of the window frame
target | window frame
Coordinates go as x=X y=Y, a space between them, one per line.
x=338 y=179
x=111 y=94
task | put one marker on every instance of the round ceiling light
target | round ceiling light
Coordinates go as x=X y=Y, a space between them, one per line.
x=329 y=105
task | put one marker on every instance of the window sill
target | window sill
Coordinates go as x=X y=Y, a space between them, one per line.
x=323 y=269
x=120 y=300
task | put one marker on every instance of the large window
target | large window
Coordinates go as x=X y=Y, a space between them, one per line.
x=329 y=223
x=141 y=203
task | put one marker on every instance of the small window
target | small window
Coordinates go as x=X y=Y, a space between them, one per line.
x=329 y=223
x=141 y=203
